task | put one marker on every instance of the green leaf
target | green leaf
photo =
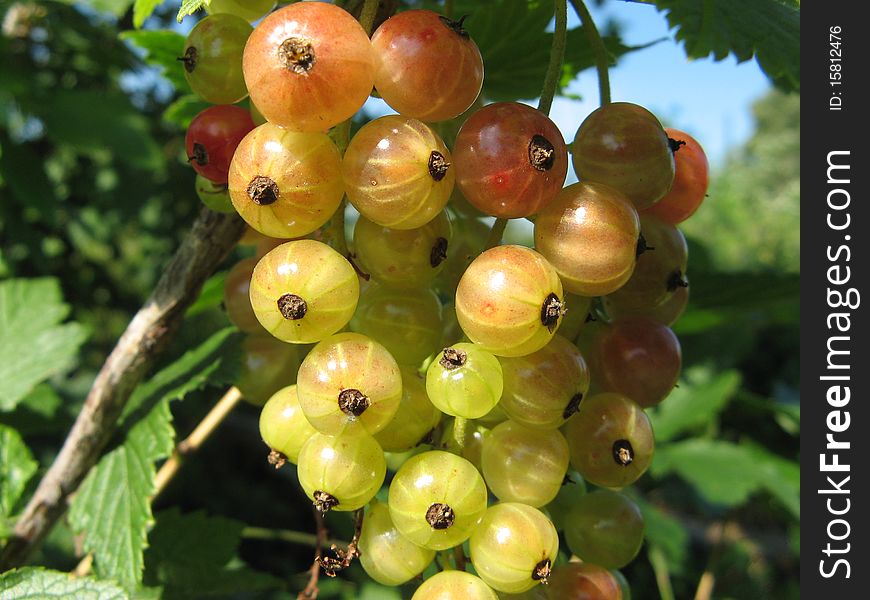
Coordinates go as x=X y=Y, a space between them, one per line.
x=33 y=343
x=17 y=466
x=188 y=7
x=216 y=361
x=182 y=111
x=375 y=591
x=70 y=118
x=38 y=413
x=195 y=555
x=722 y=472
x=780 y=477
x=161 y=48
x=741 y=290
x=33 y=583
x=113 y=7
x=766 y=29
x=147 y=593
x=719 y=300
x=142 y=9
x=664 y=531
x=21 y=168
x=515 y=45
x=727 y=474
x=112 y=507
x=211 y=296
x=698 y=399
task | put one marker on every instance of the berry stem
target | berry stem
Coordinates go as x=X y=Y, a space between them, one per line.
x=557 y=55
x=496 y=233
x=300 y=538
x=448 y=9
x=192 y=443
x=460 y=426
x=334 y=231
x=334 y=234
x=660 y=568
x=707 y=582
x=602 y=58
x=311 y=590
x=459 y=557
x=367 y=17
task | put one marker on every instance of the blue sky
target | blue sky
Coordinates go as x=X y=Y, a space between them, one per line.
x=710 y=100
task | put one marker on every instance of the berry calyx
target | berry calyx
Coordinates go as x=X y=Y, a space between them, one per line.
x=323 y=501
x=353 y=402
x=542 y=571
x=297 y=55
x=623 y=453
x=452 y=358
x=263 y=191
x=551 y=310
x=542 y=153
x=292 y=307
x=440 y=516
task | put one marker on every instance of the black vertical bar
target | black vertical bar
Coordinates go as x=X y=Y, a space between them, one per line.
x=834 y=265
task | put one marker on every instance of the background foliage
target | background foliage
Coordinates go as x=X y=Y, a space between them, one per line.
x=95 y=195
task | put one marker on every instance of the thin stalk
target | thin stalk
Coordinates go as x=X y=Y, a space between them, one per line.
x=334 y=234
x=557 y=56
x=196 y=438
x=367 y=17
x=334 y=231
x=663 y=576
x=602 y=58
x=311 y=591
x=448 y=9
x=460 y=427
x=299 y=538
x=496 y=233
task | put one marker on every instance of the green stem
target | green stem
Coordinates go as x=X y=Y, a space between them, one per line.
x=448 y=9
x=334 y=233
x=286 y=535
x=557 y=55
x=602 y=58
x=460 y=427
x=367 y=17
x=663 y=577
x=496 y=233
x=340 y=134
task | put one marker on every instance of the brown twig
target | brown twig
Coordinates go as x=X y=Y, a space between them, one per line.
x=311 y=590
x=459 y=557
x=211 y=238
x=343 y=557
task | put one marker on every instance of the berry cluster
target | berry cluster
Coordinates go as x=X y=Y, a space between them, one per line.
x=473 y=371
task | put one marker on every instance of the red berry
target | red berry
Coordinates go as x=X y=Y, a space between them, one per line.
x=212 y=139
x=511 y=160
